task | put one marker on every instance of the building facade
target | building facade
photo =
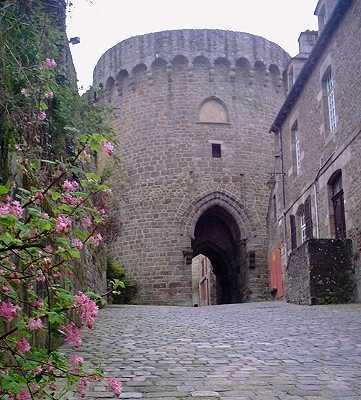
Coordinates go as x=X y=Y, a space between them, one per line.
x=317 y=193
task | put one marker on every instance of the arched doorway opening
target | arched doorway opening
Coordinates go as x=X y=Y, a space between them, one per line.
x=217 y=236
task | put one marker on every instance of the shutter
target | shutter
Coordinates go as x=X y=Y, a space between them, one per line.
x=293 y=232
x=308 y=218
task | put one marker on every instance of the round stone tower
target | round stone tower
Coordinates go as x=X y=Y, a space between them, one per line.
x=192 y=114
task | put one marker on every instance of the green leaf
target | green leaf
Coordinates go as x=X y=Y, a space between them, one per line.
x=45 y=225
x=55 y=195
x=4 y=190
x=8 y=220
x=43 y=106
x=92 y=176
x=75 y=253
x=56 y=318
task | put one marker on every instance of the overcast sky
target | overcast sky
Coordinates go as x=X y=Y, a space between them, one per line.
x=100 y=24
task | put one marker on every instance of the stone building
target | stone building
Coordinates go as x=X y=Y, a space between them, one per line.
x=192 y=115
x=317 y=193
x=193 y=110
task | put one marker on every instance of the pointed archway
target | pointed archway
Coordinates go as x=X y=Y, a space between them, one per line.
x=218 y=237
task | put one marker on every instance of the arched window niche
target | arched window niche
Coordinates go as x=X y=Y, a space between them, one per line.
x=213 y=111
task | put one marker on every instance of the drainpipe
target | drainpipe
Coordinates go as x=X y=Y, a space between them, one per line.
x=279 y=132
x=316 y=209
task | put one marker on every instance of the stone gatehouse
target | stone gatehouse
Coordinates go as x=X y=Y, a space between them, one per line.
x=192 y=112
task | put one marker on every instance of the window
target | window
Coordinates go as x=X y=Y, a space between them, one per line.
x=293 y=232
x=330 y=104
x=337 y=211
x=303 y=227
x=296 y=150
x=252 y=259
x=216 y=150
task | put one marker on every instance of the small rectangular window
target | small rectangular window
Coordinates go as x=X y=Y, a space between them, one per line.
x=252 y=259
x=216 y=150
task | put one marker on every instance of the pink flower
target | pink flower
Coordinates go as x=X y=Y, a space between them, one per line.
x=108 y=148
x=23 y=395
x=115 y=386
x=41 y=115
x=38 y=303
x=77 y=243
x=70 y=186
x=8 y=310
x=63 y=224
x=16 y=209
x=101 y=211
x=34 y=324
x=81 y=387
x=96 y=239
x=72 y=334
x=23 y=345
x=49 y=95
x=87 y=309
x=5 y=289
x=12 y=208
x=86 y=222
x=25 y=92
x=38 y=198
x=50 y=63
x=70 y=200
x=76 y=361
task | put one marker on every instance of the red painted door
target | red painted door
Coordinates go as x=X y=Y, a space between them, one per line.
x=276 y=273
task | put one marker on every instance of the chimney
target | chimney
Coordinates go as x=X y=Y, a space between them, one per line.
x=306 y=42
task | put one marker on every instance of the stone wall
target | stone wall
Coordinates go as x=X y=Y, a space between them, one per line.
x=322 y=152
x=158 y=85
x=321 y=272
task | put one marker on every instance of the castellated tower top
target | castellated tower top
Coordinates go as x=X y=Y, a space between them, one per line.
x=231 y=47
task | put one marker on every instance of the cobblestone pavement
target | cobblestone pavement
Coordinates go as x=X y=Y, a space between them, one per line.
x=253 y=351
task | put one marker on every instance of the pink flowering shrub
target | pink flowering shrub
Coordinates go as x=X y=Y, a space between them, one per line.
x=70 y=186
x=8 y=310
x=115 y=386
x=35 y=324
x=108 y=148
x=50 y=63
x=51 y=209
x=22 y=345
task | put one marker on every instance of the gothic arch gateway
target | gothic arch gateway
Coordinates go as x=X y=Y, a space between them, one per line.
x=218 y=237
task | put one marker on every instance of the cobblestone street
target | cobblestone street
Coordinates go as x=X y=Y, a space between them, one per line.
x=234 y=352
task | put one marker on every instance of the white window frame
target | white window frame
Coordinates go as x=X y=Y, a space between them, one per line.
x=303 y=227
x=297 y=149
x=331 y=103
